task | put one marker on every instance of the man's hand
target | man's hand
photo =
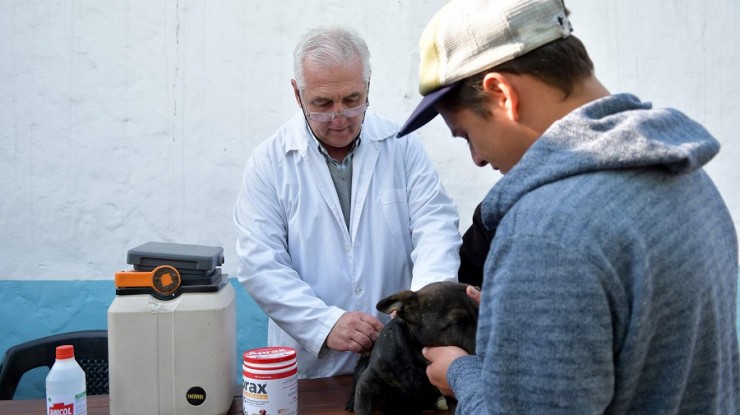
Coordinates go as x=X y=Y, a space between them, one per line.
x=354 y=331
x=440 y=359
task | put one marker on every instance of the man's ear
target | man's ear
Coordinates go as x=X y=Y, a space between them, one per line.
x=502 y=93
x=297 y=93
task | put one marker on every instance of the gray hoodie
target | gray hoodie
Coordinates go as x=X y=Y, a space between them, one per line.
x=610 y=286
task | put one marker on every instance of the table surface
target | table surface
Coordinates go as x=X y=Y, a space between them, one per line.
x=325 y=396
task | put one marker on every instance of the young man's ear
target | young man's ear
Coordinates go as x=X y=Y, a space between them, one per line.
x=502 y=93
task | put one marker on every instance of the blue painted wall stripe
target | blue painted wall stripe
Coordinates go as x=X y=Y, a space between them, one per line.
x=33 y=309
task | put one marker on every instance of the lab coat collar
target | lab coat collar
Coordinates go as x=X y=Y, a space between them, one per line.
x=299 y=136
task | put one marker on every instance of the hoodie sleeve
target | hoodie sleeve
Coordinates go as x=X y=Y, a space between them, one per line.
x=545 y=336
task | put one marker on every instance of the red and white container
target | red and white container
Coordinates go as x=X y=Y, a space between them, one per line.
x=66 y=392
x=270 y=377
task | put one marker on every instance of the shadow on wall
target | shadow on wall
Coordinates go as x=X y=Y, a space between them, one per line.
x=33 y=309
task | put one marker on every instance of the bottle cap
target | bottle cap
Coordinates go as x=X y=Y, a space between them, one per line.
x=66 y=351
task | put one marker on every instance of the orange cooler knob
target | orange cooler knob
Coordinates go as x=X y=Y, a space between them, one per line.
x=165 y=279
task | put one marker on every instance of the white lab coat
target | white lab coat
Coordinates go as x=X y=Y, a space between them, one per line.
x=301 y=264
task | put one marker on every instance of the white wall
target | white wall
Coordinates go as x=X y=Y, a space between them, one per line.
x=128 y=121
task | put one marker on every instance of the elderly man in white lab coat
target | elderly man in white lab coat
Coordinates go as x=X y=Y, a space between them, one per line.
x=335 y=213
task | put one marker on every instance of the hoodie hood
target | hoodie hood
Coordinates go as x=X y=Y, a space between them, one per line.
x=613 y=133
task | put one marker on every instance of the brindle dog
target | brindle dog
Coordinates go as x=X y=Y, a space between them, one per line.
x=391 y=378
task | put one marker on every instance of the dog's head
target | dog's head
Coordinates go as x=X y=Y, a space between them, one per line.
x=440 y=314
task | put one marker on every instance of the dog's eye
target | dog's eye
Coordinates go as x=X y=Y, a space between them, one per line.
x=457 y=318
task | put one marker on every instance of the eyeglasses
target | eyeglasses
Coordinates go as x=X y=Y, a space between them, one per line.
x=329 y=116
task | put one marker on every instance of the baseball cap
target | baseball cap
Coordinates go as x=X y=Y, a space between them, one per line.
x=466 y=37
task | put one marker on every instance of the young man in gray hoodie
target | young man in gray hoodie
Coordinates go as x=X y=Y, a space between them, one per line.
x=610 y=284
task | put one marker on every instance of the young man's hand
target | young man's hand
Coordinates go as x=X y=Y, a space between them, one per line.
x=440 y=359
x=473 y=293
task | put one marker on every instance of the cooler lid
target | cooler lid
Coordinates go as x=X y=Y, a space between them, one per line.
x=180 y=256
x=165 y=283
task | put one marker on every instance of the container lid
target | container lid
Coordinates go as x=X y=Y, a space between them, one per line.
x=66 y=351
x=180 y=256
x=128 y=283
x=269 y=355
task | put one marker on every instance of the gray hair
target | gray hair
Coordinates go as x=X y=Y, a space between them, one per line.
x=328 y=47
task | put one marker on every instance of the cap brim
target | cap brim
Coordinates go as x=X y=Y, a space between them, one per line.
x=425 y=111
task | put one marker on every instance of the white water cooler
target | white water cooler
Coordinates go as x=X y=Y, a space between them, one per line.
x=172 y=333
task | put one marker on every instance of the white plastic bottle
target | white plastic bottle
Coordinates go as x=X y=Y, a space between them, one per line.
x=66 y=391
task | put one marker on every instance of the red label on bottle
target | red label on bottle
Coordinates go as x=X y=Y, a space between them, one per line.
x=62 y=409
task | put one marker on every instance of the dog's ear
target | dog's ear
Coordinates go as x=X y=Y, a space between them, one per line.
x=395 y=302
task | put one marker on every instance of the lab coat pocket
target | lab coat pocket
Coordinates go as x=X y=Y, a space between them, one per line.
x=396 y=212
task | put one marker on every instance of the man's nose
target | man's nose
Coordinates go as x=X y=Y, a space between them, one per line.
x=478 y=160
x=336 y=110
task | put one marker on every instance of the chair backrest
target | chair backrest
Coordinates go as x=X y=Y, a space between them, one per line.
x=91 y=352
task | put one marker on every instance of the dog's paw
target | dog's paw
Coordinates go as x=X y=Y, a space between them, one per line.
x=350 y=405
x=441 y=404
